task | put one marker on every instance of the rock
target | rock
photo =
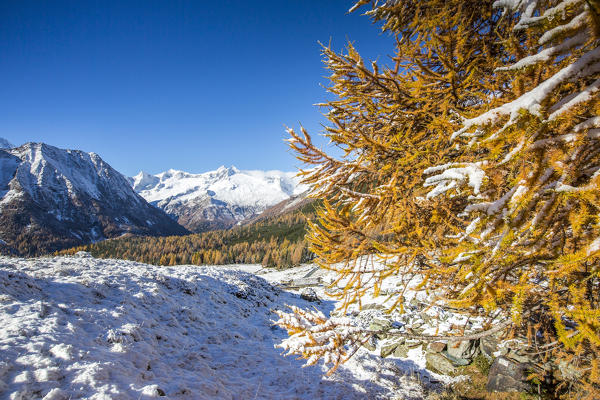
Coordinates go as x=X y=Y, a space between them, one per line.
x=488 y=346
x=401 y=351
x=436 y=347
x=568 y=372
x=519 y=358
x=456 y=361
x=507 y=376
x=370 y=344
x=413 y=343
x=378 y=324
x=372 y=306
x=381 y=326
x=388 y=350
x=436 y=362
x=465 y=349
x=397 y=349
x=309 y=294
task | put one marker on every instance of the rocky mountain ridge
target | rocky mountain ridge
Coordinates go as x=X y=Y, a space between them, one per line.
x=52 y=198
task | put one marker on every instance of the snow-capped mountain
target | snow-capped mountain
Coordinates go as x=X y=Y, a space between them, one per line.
x=216 y=199
x=52 y=198
x=5 y=144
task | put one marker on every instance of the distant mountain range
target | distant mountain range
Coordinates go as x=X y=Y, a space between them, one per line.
x=5 y=144
x=217 y=199
x=52 y=198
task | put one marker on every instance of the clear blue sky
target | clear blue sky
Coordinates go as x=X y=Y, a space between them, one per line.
x=188 y=85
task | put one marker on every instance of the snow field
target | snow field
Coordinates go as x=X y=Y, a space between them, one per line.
x=79 y=327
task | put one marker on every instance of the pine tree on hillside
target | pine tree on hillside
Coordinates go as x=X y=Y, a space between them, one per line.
x=473 y=165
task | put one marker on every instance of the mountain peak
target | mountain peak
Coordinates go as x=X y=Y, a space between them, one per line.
x=217 y=199
x=5 y=144
x=143 y=180
x=51 y=198
x=224 y=171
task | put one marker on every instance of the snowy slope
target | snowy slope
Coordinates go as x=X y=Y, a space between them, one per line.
x=78 y=327
x=5 y=144
x=51 y=198
x=216 y=199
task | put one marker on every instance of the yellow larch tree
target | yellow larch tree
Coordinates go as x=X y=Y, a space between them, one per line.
x=472 y=164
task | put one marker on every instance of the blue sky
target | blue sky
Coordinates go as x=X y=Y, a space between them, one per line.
x=189 y=85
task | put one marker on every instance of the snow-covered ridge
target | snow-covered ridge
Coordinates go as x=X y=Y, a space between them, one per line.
x=47 y=170
x=226 y=194
x=51 y=198
x=79 y=327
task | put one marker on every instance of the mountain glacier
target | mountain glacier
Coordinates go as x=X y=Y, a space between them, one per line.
x=52 y=198
x=217 y=199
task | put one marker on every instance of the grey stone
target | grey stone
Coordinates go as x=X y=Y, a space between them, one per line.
x=507 y=376
x=412 y=343
x=456 y=361
x=388 y=349
x=488 y=346
x=380 y=324
x=465 y=349
x=515 y=356
x=309 y=294
x=436 y=362
x=401 y=351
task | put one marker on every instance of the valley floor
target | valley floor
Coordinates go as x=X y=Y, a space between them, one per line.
x=79 y=327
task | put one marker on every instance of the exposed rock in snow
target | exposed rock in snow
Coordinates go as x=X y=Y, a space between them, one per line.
x=79 y=327
x=52 y=198
x=216 y=199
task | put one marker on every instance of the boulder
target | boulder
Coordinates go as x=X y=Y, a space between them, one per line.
x=436 y=347
x=456 y=361
x=378 y=324
x=488 y=346
x=309 y=294
x=381 y=326
x=397 y=349
x=436 y=362
x=507 y=376
x=372 y=306
x=388 y=349
x=464 y=349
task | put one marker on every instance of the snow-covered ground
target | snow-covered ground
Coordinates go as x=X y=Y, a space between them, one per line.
x=79 y=327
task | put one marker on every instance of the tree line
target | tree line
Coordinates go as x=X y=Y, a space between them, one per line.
x=276 y=241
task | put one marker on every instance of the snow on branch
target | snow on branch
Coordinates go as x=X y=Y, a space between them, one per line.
x=532 y=100
x=547 y=54
x=576 y=98
x=452 y=175
x=313 y=337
